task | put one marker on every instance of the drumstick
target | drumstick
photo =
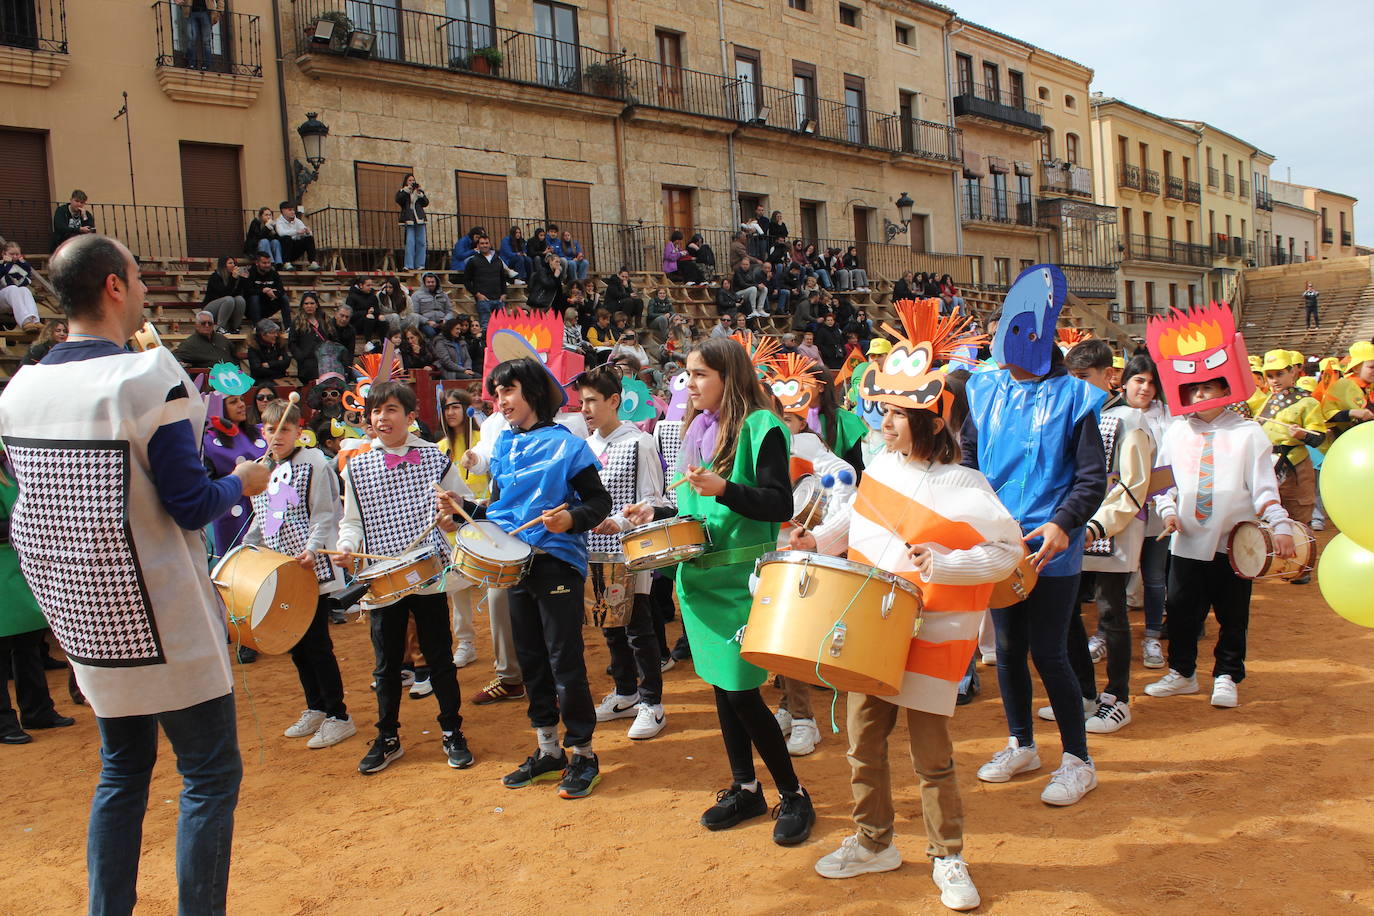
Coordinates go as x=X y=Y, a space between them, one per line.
x=827 y=483
x=677 y=483
x=362 y=556
x=292 y=398
x=534 y=521
x=468 y=518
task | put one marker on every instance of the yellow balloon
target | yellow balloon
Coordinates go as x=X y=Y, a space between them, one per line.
x=1344 y=573
x=1346 y=476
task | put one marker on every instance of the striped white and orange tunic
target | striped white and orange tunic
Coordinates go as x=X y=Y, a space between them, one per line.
x=974 y=542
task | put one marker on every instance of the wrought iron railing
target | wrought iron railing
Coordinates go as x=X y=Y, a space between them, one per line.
x=1264 y=200
x=232 y=44
x=1229 y=183
x=1173 y=188
x=1149 y=181
x=1212 y=177
x=1004 y=97
x=1328 y=236
x=985 y=101
x=1155 y=248
x=1244 y=188
x=1072 y=180
x=1194 y=195
x=1128 y=176
x=34 y=25
x=990 y=205
x=657 y=85
x=1347 y=239
x=149 y=231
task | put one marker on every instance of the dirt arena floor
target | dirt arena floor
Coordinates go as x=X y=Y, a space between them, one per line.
x=1264 y=809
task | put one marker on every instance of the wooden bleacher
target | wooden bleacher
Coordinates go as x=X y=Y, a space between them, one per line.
x=1271 y=314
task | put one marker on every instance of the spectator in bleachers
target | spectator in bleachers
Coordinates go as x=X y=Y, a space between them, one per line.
x=621 y=296
x=815 y=264
x=573 y=338
x=226 y=294
x=806 y=307
x=412 y=201
x=578 y=300
x=678 y=265
x=905 y=288
x=755 y=229
x=807 y=347
x=415 y=352
x=627 y=344
x=751 y=284
x=546 y=284
x=854 y=275
x=727 y=300
x=341 y=328
x=465 y=248
x=661 y=309
x=702 y=256
x=787 y=287
x=72 y=218
x=296 y=237
x=601 y=337
x=538 y=245
x=394 y=306
x=574 y=259
x=861 y=325
x=776 y=229
x=739 y=250
x=257 y=399
x=930 y=287
x=269 y=360
x=485 y=278
x=513 y=254
x=596 y=300
x=830 y=342
x=53 y=333
x=725 y=325
x=788 y=342
x=362 y=304
x=451 y=355
x=431 y=304
x=620 y=323
x=16 y=288
x=262 y=236
x=307 y=334
x=475 y=340
x=949 y=295
x=206 y=345
x=266 y=293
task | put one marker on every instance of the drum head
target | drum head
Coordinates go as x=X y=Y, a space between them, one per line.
x=263 y=601
x=490 y=541
x=1250 y=547
x=405 y=559
x=804 y=491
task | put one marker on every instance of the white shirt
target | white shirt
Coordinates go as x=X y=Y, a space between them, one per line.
x=290 y=228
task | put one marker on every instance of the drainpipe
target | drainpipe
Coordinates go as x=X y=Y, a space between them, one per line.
x=732 y=217
x=281 y=105
x=946 y=32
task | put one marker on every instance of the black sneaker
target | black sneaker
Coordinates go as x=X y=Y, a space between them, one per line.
x=456 y=748
x=734 y=805
x=682 y=650
x=246 y=656
x=794 y=816
x=384 y=750
x=538 y=767
x=55 y=720
x=581 y=777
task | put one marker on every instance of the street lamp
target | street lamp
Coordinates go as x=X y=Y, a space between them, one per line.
x=312 y=132
x=904 y=206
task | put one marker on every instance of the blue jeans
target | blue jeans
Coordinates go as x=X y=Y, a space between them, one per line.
x=577 y=270
x=823 y=278
x=1154 y=573
x=783 y=296
x=484 y=307
x=198 y=40
x=1039 y=628
x=271 y=248
x=204 y=738
x=415 y=246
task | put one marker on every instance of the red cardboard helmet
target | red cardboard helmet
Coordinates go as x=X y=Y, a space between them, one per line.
x=1200 y=345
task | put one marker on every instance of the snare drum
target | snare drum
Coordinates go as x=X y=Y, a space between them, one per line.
x=410 y=572
x=1016 y=587
x=1254 y=553
x=484 y=553
x=609 y=593
x=269 y=598
x=145 y=338
x=855 y=620
x=809 y=501
x=664 y=543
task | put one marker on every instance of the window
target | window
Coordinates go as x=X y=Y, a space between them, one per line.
x=669 y=68
x=1047 y=144
x=963 y=68
x=1144 y=157
x=919 y=229
x=1130 y=298
x=1027 y=264
x=569 y=204
x=1044 y=93
x=677 y=208
x=24 y=164
x=801 y=6
x=810 y=212
x=992 y=82
x=975 y=266
x=907 y=113
x=1123 y=151
x=481 y=201
x=1188 y=231
x=1126 y=221
x=1070 y=102
x=1016 y=82
x=1192 y=295
x=973 y=198
x=1187 y=168
x=1147 y=223
x=804 y=94
x=999 y=197
x=1001 y=271
x=904 y=35
x=1023 y=189
x=375 y=185
x=1149 y=298
x=555 y=47
x=212 y=199
x=1168 y=165
x=470 y=28
x=849 y=15
x=1071 y=148
x=383 y=18
x=747 y=71
x=1169 y=233
x=855 y=110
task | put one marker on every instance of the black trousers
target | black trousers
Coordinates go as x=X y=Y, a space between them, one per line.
x=260 y=307
x=1080 y=659
x=21 y=657
x=546 y=617
x=1195 y=587
x=432 y=629
x=293 y=248
x=636 y=657
x=317 y=667
x=746 y=725
x=1112 y=619
x=1311 y=318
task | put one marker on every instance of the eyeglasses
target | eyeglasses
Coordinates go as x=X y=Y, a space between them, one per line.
x=333 y=393
x=265 y=396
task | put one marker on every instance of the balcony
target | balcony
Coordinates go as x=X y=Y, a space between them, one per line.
x=1173 y=188
x=1149 y=181
x=988 y=205
x=33 y=41
x=1066 y=179
x=442 y=43
x=976 y=100
x=1244 y=188
x=1347 y=239
x=1168 y=251
x=1212 y=176
x=1230 y=183
x=1128 y=177
x=1328 y=236
x=1240 y=247
x=1264 y=200
x=223 y=67
x=835 y=120
x=655 y=85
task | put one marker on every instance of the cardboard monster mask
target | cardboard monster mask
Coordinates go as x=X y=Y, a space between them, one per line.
x=1025 y=333
x=1200 y=345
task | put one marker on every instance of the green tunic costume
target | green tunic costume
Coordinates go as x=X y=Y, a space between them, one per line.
x=19 y=612
x=713 y=589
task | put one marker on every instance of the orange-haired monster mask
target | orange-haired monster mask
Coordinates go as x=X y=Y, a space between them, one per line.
x=1200 y=345
x=909 y=376
x=794 y=383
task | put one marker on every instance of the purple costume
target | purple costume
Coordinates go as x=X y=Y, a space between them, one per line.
x=224 y=443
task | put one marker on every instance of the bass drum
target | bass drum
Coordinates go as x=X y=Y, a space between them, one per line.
x=269 y=598
x=145 y=338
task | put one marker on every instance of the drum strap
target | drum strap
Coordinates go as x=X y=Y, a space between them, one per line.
x=732 y=556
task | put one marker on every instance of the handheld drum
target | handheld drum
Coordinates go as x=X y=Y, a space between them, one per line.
x=1253 y=551
x=269 y=598
x=485 y=554
x=664 y=543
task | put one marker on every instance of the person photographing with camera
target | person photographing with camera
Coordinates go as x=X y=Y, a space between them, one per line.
x=412 y=201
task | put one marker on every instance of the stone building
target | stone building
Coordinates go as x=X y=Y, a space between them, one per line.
x=1296 y=226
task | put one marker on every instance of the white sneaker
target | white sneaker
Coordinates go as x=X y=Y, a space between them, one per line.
x=314 y=265
x=784 y=721
x=1318 y=525
x=306 y=725
x=668 y=664
x=332 y=731
x=1224 y=692
x=1008 y=762
x=1112 y=715
x=517 y=282
x=649 y=721
x=1089 y=710
x=615 y=706
x=990 y=659
x=956 y=887
x=465 y=654
x=1151 y=653
x=853 y=858
x=1068 y=784
x=421 y=689
x=407 y=678
x=1172 y=684
x=804 y=738
x=1097 y=648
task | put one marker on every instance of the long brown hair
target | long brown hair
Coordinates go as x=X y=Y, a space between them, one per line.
x=928 y=444
x=457 y=396
x=743 y=395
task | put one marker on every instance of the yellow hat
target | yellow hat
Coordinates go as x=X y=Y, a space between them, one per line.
x=1307 y=383
x=1361 y=352
x=1278 y=360
x=1118 y=362
x=1330 y=362
x=879 y=346
x=1256 y=363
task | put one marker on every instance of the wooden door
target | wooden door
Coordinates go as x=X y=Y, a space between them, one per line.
x=669 y=69
x=27 y=199
x=677 y=209
x=483 y=201
x=213 y=200
x=378 y=215
x=568 y=204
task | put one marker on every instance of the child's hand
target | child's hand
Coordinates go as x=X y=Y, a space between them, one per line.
x=558 y=522
x=1283 y=543
x=922 y=559
x=638 y=514
x=705 y=481
x=801 y=539
x=1171 y=524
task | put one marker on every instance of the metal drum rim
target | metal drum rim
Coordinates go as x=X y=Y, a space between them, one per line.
x=824 y=561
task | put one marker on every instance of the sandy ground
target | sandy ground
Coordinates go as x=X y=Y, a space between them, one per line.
x=1267 y=808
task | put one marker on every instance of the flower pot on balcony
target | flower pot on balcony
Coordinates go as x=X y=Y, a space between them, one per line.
x=607 y=80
